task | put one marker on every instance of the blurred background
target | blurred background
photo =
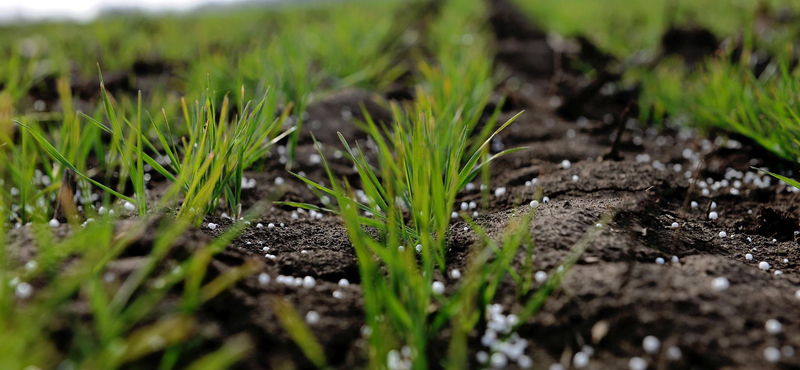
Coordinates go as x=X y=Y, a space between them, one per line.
x=12 y=11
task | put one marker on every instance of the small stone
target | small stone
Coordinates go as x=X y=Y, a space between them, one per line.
x=437 y=287
x=720 y=284
x=23 y=290
x=309 y=282
x=482 y=357
x=772 y=354
x=651 y=344
x=312 y=317
x=524 y=362
x=580 y=360
x=674 y=353
x=498 y=360
x=637 y=363
x=773 y=326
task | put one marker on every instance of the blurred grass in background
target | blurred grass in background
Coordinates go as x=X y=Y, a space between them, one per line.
x=748 y=88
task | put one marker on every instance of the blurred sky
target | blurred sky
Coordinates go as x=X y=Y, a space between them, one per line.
x=16 y=10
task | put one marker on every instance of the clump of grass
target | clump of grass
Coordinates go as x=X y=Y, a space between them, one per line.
x=207 y=165
x=762 y=109
x=422 y=165
x=402 y=307
x=331 y=53
x=727 y=95
x=127 y=317
x=626 y=27
x=431 y=150
x=720 y=93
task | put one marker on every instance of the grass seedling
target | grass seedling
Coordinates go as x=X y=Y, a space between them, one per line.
x=785 y=179
x=419 y=173
x=119 y=329
x=728 y=96
x=211 y=162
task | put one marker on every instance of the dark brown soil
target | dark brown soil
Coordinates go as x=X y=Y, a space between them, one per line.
x=617 y=294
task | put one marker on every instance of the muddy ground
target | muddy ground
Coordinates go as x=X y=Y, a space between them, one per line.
x=617 y=293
